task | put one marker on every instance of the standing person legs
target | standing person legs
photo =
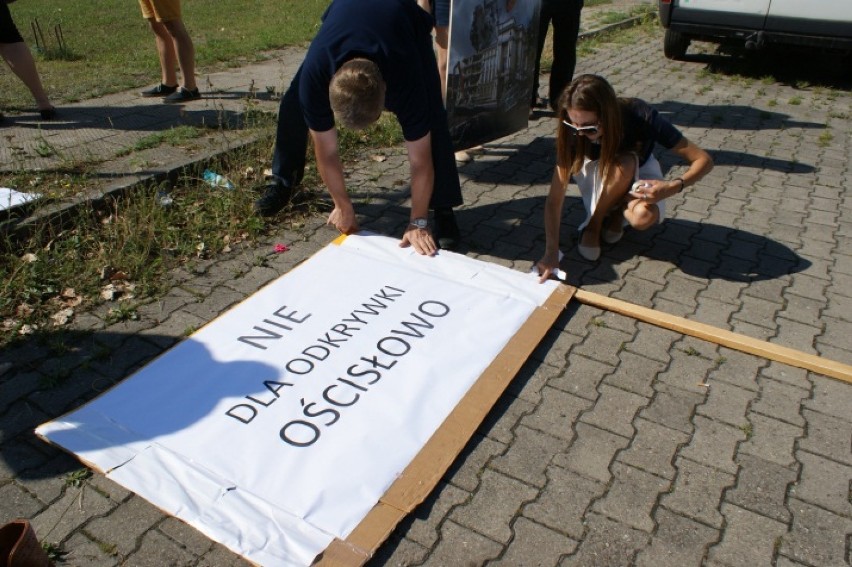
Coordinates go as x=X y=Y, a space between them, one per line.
x=441 y=13
x=566 y=27
x=545 y=16
x=174 y=48
x=20 y=60
x=166 y=53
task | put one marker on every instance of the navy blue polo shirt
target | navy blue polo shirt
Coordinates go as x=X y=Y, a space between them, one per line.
x=392 y=34
x=643 y=127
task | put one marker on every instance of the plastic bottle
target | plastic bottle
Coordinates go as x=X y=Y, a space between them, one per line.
x=164 y=199
x=213 y=179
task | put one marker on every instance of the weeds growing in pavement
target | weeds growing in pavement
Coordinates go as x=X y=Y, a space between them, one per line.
x=119 y=252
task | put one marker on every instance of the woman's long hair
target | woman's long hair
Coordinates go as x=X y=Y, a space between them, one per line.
x=591 y=93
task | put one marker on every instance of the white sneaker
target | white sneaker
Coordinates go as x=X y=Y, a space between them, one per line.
x=463 y=157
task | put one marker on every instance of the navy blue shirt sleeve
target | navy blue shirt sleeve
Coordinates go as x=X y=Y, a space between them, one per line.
x=644 y=126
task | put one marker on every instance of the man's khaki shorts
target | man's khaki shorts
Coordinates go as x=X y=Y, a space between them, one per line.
x=160 y=10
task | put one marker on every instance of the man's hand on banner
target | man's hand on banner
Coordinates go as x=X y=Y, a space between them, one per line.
x=421 y=239
x=343 y=219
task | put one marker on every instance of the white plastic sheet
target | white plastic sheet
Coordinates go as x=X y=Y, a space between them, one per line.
x=279 y=425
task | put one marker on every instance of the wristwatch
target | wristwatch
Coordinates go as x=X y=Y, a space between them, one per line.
x=421 y=222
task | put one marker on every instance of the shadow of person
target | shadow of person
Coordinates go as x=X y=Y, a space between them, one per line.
x=789 y=66
x=177 y=391
x=702 y=249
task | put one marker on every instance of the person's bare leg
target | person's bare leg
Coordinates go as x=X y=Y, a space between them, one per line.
x=20 y=60
x=442 y=39
x=442 y=54
x=185 y=52
x=641 y=216
x=611 y=197
x=166 y=52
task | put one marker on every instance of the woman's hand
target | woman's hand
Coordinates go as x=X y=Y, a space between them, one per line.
x=651 y=191
x=343 y=219
x=548 y=263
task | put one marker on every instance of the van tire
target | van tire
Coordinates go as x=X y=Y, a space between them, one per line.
x=675 y=45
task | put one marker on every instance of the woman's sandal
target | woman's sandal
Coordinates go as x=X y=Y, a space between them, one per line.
x=590 y=253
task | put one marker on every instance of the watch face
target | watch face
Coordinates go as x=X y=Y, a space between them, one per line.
x=420 y=223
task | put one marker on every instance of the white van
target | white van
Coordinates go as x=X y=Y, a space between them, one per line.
x=756 y=24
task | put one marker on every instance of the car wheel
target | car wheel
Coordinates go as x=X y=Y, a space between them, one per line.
x=675 y=45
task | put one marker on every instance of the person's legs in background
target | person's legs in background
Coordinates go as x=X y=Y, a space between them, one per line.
x=174 y=49
x=167 y=55
x=543 y=23
x=565 y=16
x=441 y=13
x=20 y=60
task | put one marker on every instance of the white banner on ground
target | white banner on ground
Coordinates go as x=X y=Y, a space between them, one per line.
x=279 y=425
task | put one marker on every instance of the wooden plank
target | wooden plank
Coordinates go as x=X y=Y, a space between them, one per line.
x=719 y=336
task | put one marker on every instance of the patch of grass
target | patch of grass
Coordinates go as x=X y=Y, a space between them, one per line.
x=77 y=478
x=613 y=17
x=177 y=136
x=110 y=549
x=109 y=46
x=825 y=139
x=795 y=101
x=127 y=246
x=54 y=551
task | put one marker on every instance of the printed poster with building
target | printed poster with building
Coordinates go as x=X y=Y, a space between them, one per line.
x=492 y=55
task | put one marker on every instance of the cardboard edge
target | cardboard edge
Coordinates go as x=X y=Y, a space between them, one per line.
x=750 y=345
x=434 y=459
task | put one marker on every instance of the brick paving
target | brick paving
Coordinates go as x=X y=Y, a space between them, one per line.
x=619 y=443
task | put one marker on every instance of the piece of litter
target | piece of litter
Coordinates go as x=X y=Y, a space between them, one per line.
x=213 y=179
x=11 y=198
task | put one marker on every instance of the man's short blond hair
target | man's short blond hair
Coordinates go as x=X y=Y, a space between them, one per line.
x=357 y=94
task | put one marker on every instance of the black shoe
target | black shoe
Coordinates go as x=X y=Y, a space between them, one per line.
x=275 y=197
x=183 y=95
x=159 y=90
x=446 y=229
x=538 y=102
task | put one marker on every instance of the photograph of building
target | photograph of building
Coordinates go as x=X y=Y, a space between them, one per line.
x=491 y=60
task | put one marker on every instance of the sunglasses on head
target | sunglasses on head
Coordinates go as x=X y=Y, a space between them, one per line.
x=582 y=129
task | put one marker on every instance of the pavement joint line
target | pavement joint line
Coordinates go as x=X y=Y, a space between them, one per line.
x=736 y=341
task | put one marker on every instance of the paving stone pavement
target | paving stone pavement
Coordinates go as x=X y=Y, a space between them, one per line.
x=619 y=443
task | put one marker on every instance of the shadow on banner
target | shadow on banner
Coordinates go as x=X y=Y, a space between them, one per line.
x=490 y=70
